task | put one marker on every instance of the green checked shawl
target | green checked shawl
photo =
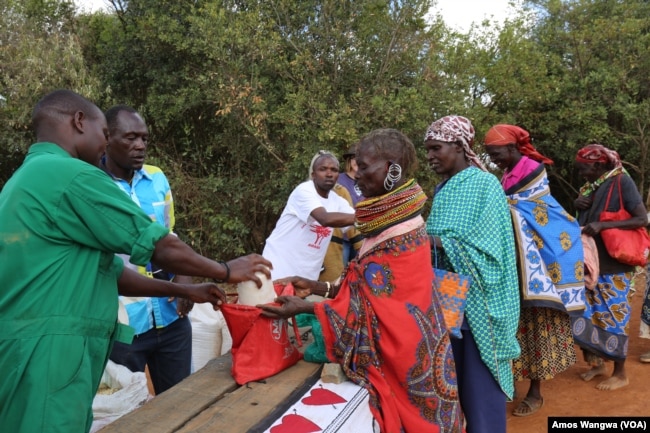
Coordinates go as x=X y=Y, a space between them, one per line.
x=470 y=215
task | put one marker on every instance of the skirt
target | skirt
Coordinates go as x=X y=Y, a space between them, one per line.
x=603 y=327
x=544 y=335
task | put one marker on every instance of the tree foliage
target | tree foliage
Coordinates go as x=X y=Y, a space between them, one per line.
x=39 y=52
x=239 y=94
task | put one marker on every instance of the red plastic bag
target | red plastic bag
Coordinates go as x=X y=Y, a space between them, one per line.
x=629 y=246
x=260 y=345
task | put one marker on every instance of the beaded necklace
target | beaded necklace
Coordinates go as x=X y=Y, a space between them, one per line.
x=376 y=214
x=589 y=187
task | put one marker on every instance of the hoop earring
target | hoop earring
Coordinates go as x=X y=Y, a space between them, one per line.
x=393 y=176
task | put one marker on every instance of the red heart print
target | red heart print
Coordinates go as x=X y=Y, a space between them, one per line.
x=320 y=397
x=295 y=424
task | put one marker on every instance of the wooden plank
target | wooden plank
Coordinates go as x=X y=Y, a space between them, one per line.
x=169 y=411
x=245 y=409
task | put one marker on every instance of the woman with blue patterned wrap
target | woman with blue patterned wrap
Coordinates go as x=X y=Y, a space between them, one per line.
x=550 y=262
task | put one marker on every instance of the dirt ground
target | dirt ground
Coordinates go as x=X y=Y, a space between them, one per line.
x=568 y=395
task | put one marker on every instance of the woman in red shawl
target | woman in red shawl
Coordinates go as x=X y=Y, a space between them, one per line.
x=550 y=262
x=384 y=325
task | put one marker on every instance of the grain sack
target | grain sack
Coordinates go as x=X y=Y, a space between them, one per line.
x=120 y=392
x=210 y=336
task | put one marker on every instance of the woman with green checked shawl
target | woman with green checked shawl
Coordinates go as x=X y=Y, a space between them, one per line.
x=471 y=227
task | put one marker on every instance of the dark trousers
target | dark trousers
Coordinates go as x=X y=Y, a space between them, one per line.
x=167 y=351
x=481 y=398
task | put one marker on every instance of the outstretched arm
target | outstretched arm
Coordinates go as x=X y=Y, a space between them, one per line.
x=332 y=219
x=291 y=305
x=174 y=255
x=131 y=283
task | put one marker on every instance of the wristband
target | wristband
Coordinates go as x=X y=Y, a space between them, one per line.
x=225 y=280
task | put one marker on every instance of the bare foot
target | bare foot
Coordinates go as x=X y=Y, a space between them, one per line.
x=613 y=383
x=595 y=371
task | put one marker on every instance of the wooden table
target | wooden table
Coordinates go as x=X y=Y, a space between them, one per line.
x=210 y=401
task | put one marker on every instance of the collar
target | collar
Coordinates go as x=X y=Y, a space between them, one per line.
x=137 y=174
x=47 y=147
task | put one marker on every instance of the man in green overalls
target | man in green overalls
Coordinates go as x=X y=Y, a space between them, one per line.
x=61 y=222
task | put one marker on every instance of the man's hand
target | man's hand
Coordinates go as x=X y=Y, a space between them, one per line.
x=200 y=293
x=291 y=305
x=244 y=269
x=183 y=306
x=131 y=283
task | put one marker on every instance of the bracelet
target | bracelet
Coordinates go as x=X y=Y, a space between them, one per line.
x=329 y=286
x=225 y=280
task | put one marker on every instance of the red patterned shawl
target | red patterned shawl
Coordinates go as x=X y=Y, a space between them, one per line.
x=386 y=331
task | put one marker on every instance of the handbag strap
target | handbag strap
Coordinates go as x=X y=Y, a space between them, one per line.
x=609 y=194
x=470 y=267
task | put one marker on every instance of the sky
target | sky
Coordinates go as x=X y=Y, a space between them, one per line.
x=458 y=14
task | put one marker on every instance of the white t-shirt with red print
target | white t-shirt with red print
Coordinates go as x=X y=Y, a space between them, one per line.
x=298 y=244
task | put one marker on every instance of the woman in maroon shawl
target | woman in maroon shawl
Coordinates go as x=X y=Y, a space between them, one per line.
x=384 y=325
x=602 y=331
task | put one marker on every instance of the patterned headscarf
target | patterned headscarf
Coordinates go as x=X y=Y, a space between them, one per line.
x=503 y=135
x=455 y=129
x=593 y=153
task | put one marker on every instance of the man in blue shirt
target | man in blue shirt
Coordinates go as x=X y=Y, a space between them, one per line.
x=163 y=333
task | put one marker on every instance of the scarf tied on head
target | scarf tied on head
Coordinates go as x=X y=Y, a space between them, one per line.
x=593 y=153
x=503 y=135
x=455 y=129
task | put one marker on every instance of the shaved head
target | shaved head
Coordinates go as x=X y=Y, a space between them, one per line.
x=72 y=122
x=59 y=105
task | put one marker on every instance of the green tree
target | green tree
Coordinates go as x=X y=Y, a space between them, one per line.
x=39 y=52
x=240 y=94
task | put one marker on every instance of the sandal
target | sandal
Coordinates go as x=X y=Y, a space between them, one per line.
x=645 y=357
x=528 y=406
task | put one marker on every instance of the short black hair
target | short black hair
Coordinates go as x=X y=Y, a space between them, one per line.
x=112 y=113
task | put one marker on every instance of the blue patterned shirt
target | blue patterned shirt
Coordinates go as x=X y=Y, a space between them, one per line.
x=150 y=190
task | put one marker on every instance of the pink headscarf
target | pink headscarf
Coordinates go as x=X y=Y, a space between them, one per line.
x=503 y=135
x=455 y=129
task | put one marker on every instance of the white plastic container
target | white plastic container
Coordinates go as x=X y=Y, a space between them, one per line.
x=250 y=294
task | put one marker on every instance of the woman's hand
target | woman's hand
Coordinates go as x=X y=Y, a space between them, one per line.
x=291 y=305
x=302 y=286
x=583 y=203
x=592 y=229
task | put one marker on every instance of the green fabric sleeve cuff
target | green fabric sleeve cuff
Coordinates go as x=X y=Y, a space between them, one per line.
x=145 y=244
